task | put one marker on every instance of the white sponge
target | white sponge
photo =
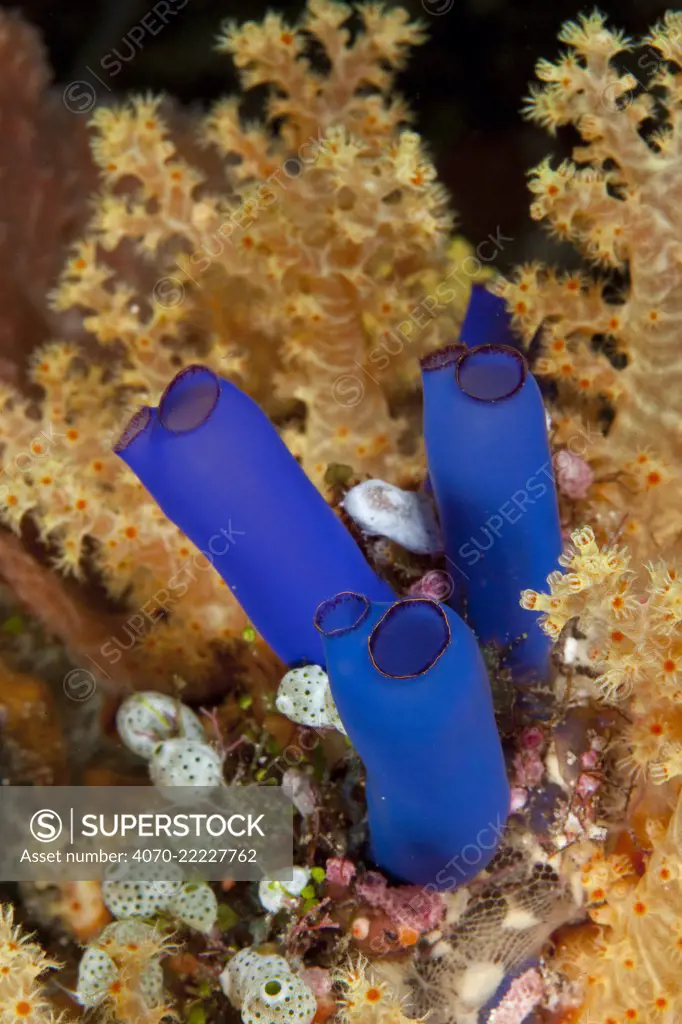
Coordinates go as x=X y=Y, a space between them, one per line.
x=406 y=517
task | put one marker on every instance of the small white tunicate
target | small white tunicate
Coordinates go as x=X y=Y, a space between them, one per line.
x=284 y=999
x=274 y=895
x=96 y=972
x=196 y=906
x=266 y=988
x=146 y=719
x=304 y=696
x=185 y=763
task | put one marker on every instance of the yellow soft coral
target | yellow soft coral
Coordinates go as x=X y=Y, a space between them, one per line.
x=319 y=246
x=22 y=965
x=89 y=510
x=364 y=998
x=629 y=964
x=614 y=340
x=338 y=224
x=634 y=633
x=135 y=995
x=318 y=251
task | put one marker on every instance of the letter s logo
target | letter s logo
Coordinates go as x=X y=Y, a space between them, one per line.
x=46 y=826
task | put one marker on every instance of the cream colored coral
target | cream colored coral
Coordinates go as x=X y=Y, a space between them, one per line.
x=318 y=247
x=340 y=222
x=327 y=235
x=22 y=965
x=367 y=998
x=633 y=624
x=629 y=964
x=89 y=509
x=618 y=202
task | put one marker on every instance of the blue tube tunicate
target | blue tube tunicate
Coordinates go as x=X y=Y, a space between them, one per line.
x=486 y=321
x=412 y=691
x=218 y=469
x=491 y=471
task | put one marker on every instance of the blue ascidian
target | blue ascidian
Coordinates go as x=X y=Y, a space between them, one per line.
x=491 y=473
x=218 y=469
x=411 y=688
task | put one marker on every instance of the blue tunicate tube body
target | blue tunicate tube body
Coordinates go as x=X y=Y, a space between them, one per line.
x=486 y=321
x=412 y=691
x=218 y=469
x=491 y=471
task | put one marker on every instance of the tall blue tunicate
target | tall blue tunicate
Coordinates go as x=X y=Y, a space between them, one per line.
x=486 y=321
x=491 y=471
x=218 y=469
x=411 y=688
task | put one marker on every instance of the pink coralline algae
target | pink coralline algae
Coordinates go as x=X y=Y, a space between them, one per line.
x=532 y=738
x=584 y=813
x=529 y=769
x=340 y=871
x=318 y=980
x=528 y=764
x=522 y=996
x=573 y=475
x=409 y=905
x=519 y=799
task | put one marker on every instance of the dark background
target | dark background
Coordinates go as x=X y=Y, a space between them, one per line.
x=466 y=84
